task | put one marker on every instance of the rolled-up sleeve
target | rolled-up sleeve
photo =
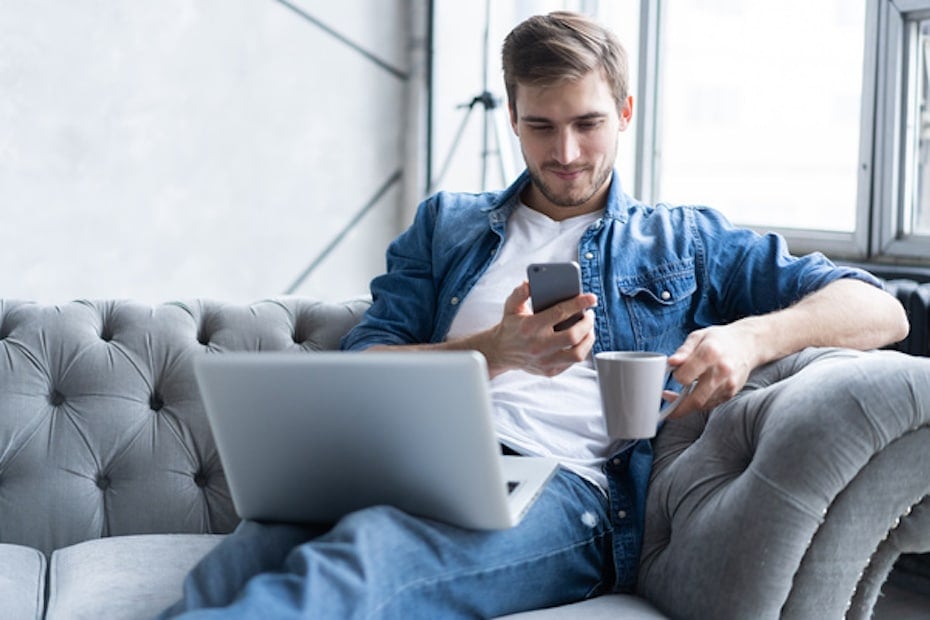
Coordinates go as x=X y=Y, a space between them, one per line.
x=751 y=274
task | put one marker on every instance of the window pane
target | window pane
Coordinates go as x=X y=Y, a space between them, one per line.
x=917 y=161
x=760 y=109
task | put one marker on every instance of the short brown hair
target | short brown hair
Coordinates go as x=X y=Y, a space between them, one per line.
x=547 y=49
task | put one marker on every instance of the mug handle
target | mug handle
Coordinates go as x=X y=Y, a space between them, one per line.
x=672 y=406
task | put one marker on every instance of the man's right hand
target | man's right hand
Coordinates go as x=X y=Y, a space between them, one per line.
x=526 y=341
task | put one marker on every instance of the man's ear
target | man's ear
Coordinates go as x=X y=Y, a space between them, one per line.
x=626 y=113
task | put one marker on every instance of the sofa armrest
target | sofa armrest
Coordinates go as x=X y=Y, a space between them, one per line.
x=799 y=493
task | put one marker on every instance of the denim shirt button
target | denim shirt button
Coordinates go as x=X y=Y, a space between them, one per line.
x=666 y=295
x=621 y=514
x=589 y=255
x=454 y=301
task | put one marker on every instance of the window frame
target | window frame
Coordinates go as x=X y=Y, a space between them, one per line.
x=891 y=242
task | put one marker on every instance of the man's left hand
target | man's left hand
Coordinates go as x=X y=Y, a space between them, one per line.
x=720 y=359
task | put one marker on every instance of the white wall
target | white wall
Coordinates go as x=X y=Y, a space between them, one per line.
x=181 y=148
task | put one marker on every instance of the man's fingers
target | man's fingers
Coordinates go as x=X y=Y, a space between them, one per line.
x=516 y=301
x=567 y=309
x=680 y=358
x=564 y=358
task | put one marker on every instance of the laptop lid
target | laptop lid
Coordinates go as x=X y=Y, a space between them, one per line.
x=312 y=437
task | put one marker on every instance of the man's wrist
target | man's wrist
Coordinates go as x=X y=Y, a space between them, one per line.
x=768 y=337
x=486 y=343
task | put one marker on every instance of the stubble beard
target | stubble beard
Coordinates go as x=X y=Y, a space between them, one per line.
x=572 y=197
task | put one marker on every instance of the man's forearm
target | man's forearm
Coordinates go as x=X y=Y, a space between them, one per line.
x=846 y=313
x=480 y=342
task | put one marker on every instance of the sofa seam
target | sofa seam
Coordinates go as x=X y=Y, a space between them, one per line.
x=41 y=593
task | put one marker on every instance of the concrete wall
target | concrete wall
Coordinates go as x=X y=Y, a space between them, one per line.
x=206 y=148
x=181 y=148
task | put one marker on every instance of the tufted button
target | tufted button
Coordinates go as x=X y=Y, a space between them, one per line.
x=106 y=333
x=103 y=482
x=56 y=398
x=156 y=402
x=203 y=336
x=200 y=479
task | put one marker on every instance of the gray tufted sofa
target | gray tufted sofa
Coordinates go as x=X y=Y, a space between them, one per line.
x=794 y=499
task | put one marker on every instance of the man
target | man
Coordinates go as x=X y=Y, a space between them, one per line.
x=683 y=281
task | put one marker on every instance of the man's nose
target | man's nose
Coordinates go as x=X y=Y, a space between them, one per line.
x=567 y=149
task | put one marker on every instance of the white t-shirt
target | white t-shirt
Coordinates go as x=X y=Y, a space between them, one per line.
x=545 y=416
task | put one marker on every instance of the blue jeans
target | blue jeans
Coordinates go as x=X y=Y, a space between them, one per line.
x=383 y=563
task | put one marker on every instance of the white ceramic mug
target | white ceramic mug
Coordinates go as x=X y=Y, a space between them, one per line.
x=631 y=385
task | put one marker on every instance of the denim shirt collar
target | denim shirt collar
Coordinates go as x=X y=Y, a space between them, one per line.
x=500 y=209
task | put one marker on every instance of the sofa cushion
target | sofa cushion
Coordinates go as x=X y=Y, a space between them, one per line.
x=22 y=581
x=122 y=576
x=607 y=607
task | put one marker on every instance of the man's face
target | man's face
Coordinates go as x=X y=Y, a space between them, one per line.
x=568 y=134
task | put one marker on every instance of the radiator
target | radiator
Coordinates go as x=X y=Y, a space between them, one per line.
x=916 y=300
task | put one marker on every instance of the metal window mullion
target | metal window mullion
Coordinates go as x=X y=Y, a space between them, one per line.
x=869 y=142
x=908 y=169
x=648 y=150
x=888 y=124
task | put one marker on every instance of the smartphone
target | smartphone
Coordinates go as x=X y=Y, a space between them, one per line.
x=551 y=283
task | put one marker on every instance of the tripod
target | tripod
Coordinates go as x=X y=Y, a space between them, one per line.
x=494 y=121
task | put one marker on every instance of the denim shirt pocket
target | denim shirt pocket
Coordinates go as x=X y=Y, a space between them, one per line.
x=660 y=302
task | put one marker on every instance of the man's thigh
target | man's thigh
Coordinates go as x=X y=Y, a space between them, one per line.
x=386 y=562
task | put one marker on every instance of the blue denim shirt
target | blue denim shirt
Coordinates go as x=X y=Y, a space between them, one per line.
x=659 y=273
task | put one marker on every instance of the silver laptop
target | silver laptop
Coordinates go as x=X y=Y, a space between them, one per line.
x=312 y=437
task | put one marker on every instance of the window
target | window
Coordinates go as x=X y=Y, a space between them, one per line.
x=808 y=118
x=901 y=215
x=759 y=112
x=917 y=202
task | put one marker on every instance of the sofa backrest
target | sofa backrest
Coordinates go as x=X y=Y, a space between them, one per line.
x=102 y=430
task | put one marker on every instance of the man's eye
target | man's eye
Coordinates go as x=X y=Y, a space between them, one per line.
x=540 y=128
x=589 y=125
